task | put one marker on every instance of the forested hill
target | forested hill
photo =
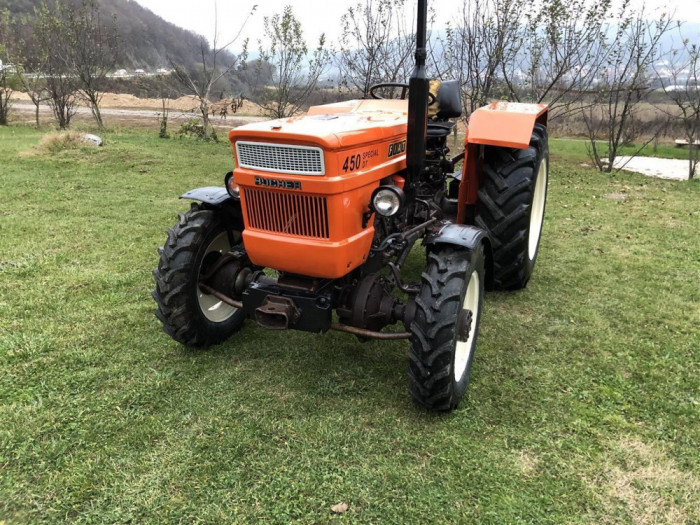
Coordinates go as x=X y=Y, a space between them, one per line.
x=147 y=41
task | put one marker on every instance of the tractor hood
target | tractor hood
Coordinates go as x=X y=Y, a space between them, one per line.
x=333 y=126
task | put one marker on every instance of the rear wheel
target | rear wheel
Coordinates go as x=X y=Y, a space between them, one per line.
x=194 y=246
x=446 y=327
x=511 y=207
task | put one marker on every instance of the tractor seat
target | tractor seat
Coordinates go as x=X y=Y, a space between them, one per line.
x=440 y=129
x=447 y=105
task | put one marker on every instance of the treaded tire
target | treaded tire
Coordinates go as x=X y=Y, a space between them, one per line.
x=177 y=293
x=507 y=197
x=438 y=370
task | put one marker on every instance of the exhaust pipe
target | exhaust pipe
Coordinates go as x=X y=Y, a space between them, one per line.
x=419 y=87
x=277 y=313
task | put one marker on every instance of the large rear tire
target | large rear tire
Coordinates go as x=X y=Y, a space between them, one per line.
x=511 y=206
x=446 y=327
x=189 y=315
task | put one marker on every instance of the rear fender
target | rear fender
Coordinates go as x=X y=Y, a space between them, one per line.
x=505 y=124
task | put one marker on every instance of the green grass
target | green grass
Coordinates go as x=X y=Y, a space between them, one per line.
x=584 y=404
x=576 y=149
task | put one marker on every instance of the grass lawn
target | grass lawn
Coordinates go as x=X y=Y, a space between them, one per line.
x=584 y=404
x=576 y=149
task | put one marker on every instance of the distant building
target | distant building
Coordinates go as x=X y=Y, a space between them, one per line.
x=10 y=68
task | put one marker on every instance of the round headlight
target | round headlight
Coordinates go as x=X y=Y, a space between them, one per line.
x=231 y=186
x=387 y=200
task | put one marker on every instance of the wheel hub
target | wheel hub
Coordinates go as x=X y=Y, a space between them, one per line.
x=464 y=326
x=215 y=259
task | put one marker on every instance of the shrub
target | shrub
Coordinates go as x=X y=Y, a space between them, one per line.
x=192 y=128
x=59 y=141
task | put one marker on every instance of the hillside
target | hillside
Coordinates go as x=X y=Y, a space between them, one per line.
x=147 y=41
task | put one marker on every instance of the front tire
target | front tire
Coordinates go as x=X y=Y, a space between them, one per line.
x=188 y=315
x=511 y=206
x=446 y=327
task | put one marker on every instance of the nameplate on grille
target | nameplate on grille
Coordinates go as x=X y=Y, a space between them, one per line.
x=277 y=183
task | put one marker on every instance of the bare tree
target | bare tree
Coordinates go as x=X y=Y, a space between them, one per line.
x=296 y=71
x=217 y=62
x=165 y=92
x=5 y=68
x=33 y=83
x=61 y=84
x=622 y=86
x=680 y=81
x=91 y=51
x=30 y=71
x=477 y=47
x=375 y=45
x=256 y=74
x=560 y=53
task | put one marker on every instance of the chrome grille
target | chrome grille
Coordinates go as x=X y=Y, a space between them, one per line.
x=287 y=213
x=280 y=158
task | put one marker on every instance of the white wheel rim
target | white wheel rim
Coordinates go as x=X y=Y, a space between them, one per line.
x=537 y=212
x=214 y=309
x=464 y=349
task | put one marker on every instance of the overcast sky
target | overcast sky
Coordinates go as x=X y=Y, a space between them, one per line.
x=321 y=16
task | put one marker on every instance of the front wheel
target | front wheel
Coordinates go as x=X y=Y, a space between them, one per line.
x=193 y=247
x=446 y=327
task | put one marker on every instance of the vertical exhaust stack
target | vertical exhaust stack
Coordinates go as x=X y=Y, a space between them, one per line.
x=418 y=101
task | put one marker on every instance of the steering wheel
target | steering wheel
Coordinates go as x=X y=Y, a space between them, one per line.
x=404 y=90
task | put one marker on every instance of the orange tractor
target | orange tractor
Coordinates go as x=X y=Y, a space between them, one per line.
x=335 y=200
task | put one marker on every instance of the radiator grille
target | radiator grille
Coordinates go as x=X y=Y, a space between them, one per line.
x=280 y=158
x=287 y=213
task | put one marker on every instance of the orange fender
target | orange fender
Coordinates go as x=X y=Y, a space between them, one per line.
x=506 y=124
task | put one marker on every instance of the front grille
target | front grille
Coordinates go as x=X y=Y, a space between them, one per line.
x=280 y=158
x=287 y=213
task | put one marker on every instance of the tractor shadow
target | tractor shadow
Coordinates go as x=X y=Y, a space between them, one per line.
x=324 y=372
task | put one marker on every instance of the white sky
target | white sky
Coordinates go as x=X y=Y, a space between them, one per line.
x=323 y=16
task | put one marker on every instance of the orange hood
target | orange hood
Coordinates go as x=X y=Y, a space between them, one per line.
x=334 y=126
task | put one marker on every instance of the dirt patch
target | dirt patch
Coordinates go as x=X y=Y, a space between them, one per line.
x=123 y=100
x=649 y=485
x=528 y=462
x=185 y=104
x=676 y=224
x=248 y=107
x=18 y=96
x=616 y=196
x=126 y=101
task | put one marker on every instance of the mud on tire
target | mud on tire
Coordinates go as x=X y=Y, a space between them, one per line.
x=189 y=316
x=442 y=350
x=511 y=208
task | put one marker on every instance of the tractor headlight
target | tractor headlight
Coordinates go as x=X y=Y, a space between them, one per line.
x=387 y=200
x=231 y=186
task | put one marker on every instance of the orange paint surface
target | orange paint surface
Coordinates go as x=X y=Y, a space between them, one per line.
x=507 y=124
x=312 y=224
x=282 y=225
